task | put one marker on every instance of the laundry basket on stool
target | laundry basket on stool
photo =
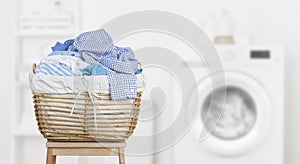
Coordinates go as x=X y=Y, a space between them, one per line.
x=82 y=116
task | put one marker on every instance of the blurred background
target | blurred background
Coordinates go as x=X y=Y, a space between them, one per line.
x=30 y=27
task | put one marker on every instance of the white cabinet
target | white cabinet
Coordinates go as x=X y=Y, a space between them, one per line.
x=37 y=26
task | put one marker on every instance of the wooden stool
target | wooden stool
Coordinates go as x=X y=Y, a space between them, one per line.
x=85 y=149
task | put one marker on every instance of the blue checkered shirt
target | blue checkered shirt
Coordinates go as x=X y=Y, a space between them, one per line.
x=97 y=47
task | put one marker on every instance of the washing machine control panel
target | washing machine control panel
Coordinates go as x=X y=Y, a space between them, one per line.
x=240 y=56
x=260 y=54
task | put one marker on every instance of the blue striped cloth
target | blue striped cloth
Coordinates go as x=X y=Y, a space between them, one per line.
x=120 y=63
x=54 y=69
x=61 y=65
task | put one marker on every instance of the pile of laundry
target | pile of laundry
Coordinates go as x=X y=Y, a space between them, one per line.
x=93 y=53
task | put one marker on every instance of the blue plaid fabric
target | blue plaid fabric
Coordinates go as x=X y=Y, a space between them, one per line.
x=92 y=45
x=97 y=47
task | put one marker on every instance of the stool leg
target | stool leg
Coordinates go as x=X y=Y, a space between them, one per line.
x=51 y=159
x=121 y=156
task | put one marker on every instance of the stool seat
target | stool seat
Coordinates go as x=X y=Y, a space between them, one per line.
x=85 y=149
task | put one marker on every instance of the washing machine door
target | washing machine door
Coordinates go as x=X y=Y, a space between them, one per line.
x=236 y=123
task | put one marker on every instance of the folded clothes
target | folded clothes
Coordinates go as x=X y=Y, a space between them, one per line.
x=61 y=66
x=96 y=47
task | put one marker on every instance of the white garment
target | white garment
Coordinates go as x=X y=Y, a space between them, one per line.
x=74 y=63
x=40 y=83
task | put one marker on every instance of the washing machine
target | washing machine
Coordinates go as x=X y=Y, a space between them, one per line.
x=245 y=126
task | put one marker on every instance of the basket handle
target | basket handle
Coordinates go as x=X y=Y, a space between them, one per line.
x=33 y=68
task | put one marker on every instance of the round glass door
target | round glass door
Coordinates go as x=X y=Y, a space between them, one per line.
x=232 y=119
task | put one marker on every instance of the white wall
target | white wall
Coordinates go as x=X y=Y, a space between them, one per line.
x=6 y=70
x=268 y=21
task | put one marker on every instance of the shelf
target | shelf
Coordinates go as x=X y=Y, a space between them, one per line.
x=45 y=34
x=41 y=33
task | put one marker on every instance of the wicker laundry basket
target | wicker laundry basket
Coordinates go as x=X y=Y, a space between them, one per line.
x=77 y=117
